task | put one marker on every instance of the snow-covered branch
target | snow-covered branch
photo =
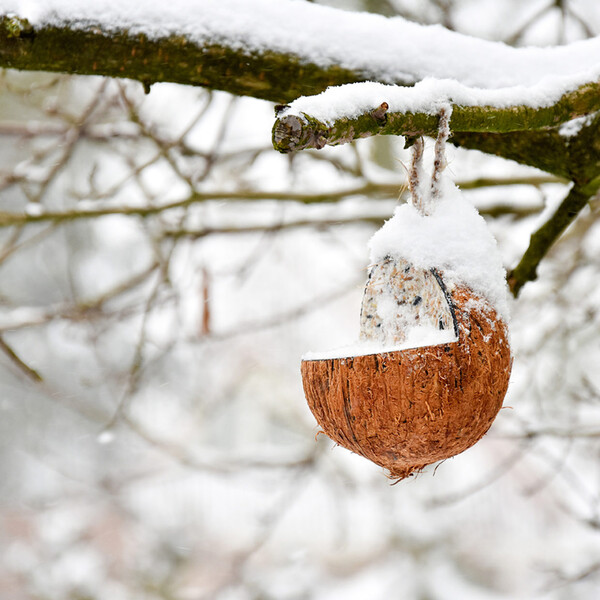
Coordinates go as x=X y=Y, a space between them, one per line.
x=149 y=58
x=273 y=49
x=343 y=114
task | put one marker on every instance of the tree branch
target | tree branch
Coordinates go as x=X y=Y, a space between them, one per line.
x=270 y=67
x=292 y=132
x=19 y=362
x=509 y=132
x=545 y=149
x=320 y=223
x=269 y=75
x=272 y=50
x=544 y=238
x=575 y=157
x=369 y=189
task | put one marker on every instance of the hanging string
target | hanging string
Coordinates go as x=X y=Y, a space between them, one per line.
x=414 y=175
x=424 y=203
x=439 y=160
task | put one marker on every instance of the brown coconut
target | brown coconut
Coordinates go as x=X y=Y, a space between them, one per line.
x=406 y=409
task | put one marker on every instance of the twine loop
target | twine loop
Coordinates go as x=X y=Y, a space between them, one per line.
x=424 y=202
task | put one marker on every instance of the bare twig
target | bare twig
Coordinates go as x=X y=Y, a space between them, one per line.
x=21 y=365
x=85 y=309
x=373 y=190
x=491 y=477
x=284 y=317
x=182 y=454
x=545 y=237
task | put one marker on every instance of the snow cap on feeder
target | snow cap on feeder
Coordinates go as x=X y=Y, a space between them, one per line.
x=432 y=366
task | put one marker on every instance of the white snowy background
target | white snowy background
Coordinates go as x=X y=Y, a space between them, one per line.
x=166 y=451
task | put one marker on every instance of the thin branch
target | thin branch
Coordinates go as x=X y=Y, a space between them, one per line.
x=136 y=368
x=276 y=227
x=501 y=469
x=555 y=432
x=269 y=521
x=582 y=22
x=185 y=457
x=34 y=316
x=284 y=318
x=316 y=223
x=21 y=365
x=103 y=132
x=566 y=579
x=14 y=244
x=484 y=182
x=293 y=132
x=531 y=20
x=370 y=189
x=542 y=239
x=70 y=141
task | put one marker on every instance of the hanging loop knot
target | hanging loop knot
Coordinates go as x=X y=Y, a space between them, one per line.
x=424 y=202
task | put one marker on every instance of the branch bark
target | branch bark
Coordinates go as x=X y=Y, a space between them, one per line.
x=542 y=239
x=269 y=75
x=546 y=149
x=292 y=132
x=279 y=76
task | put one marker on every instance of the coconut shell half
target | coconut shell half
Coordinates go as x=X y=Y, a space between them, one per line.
x=406 y=409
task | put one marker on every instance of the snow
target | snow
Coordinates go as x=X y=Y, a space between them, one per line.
x=573 y=127
x=418 y=337
x=106 y=437
x=429 y=95
x=388 y=49
x=454 y=239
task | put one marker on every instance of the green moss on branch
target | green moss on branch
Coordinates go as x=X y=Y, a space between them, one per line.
x=546 y=150
x=298 y=132
x=543 y=239
x=92 y=51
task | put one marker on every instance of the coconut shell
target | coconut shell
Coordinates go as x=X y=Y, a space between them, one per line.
x=406 y=409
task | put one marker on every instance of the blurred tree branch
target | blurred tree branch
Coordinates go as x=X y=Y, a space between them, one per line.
x=370 y=189
x=544 y=237
x=20 y=364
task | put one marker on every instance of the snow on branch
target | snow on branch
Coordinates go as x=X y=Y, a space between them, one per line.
x=273 y=49
x=345 y=113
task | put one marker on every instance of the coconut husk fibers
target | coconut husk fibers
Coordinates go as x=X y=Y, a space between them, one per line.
x=406 y=409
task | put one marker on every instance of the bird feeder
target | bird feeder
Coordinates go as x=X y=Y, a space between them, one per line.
x=437 y=359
